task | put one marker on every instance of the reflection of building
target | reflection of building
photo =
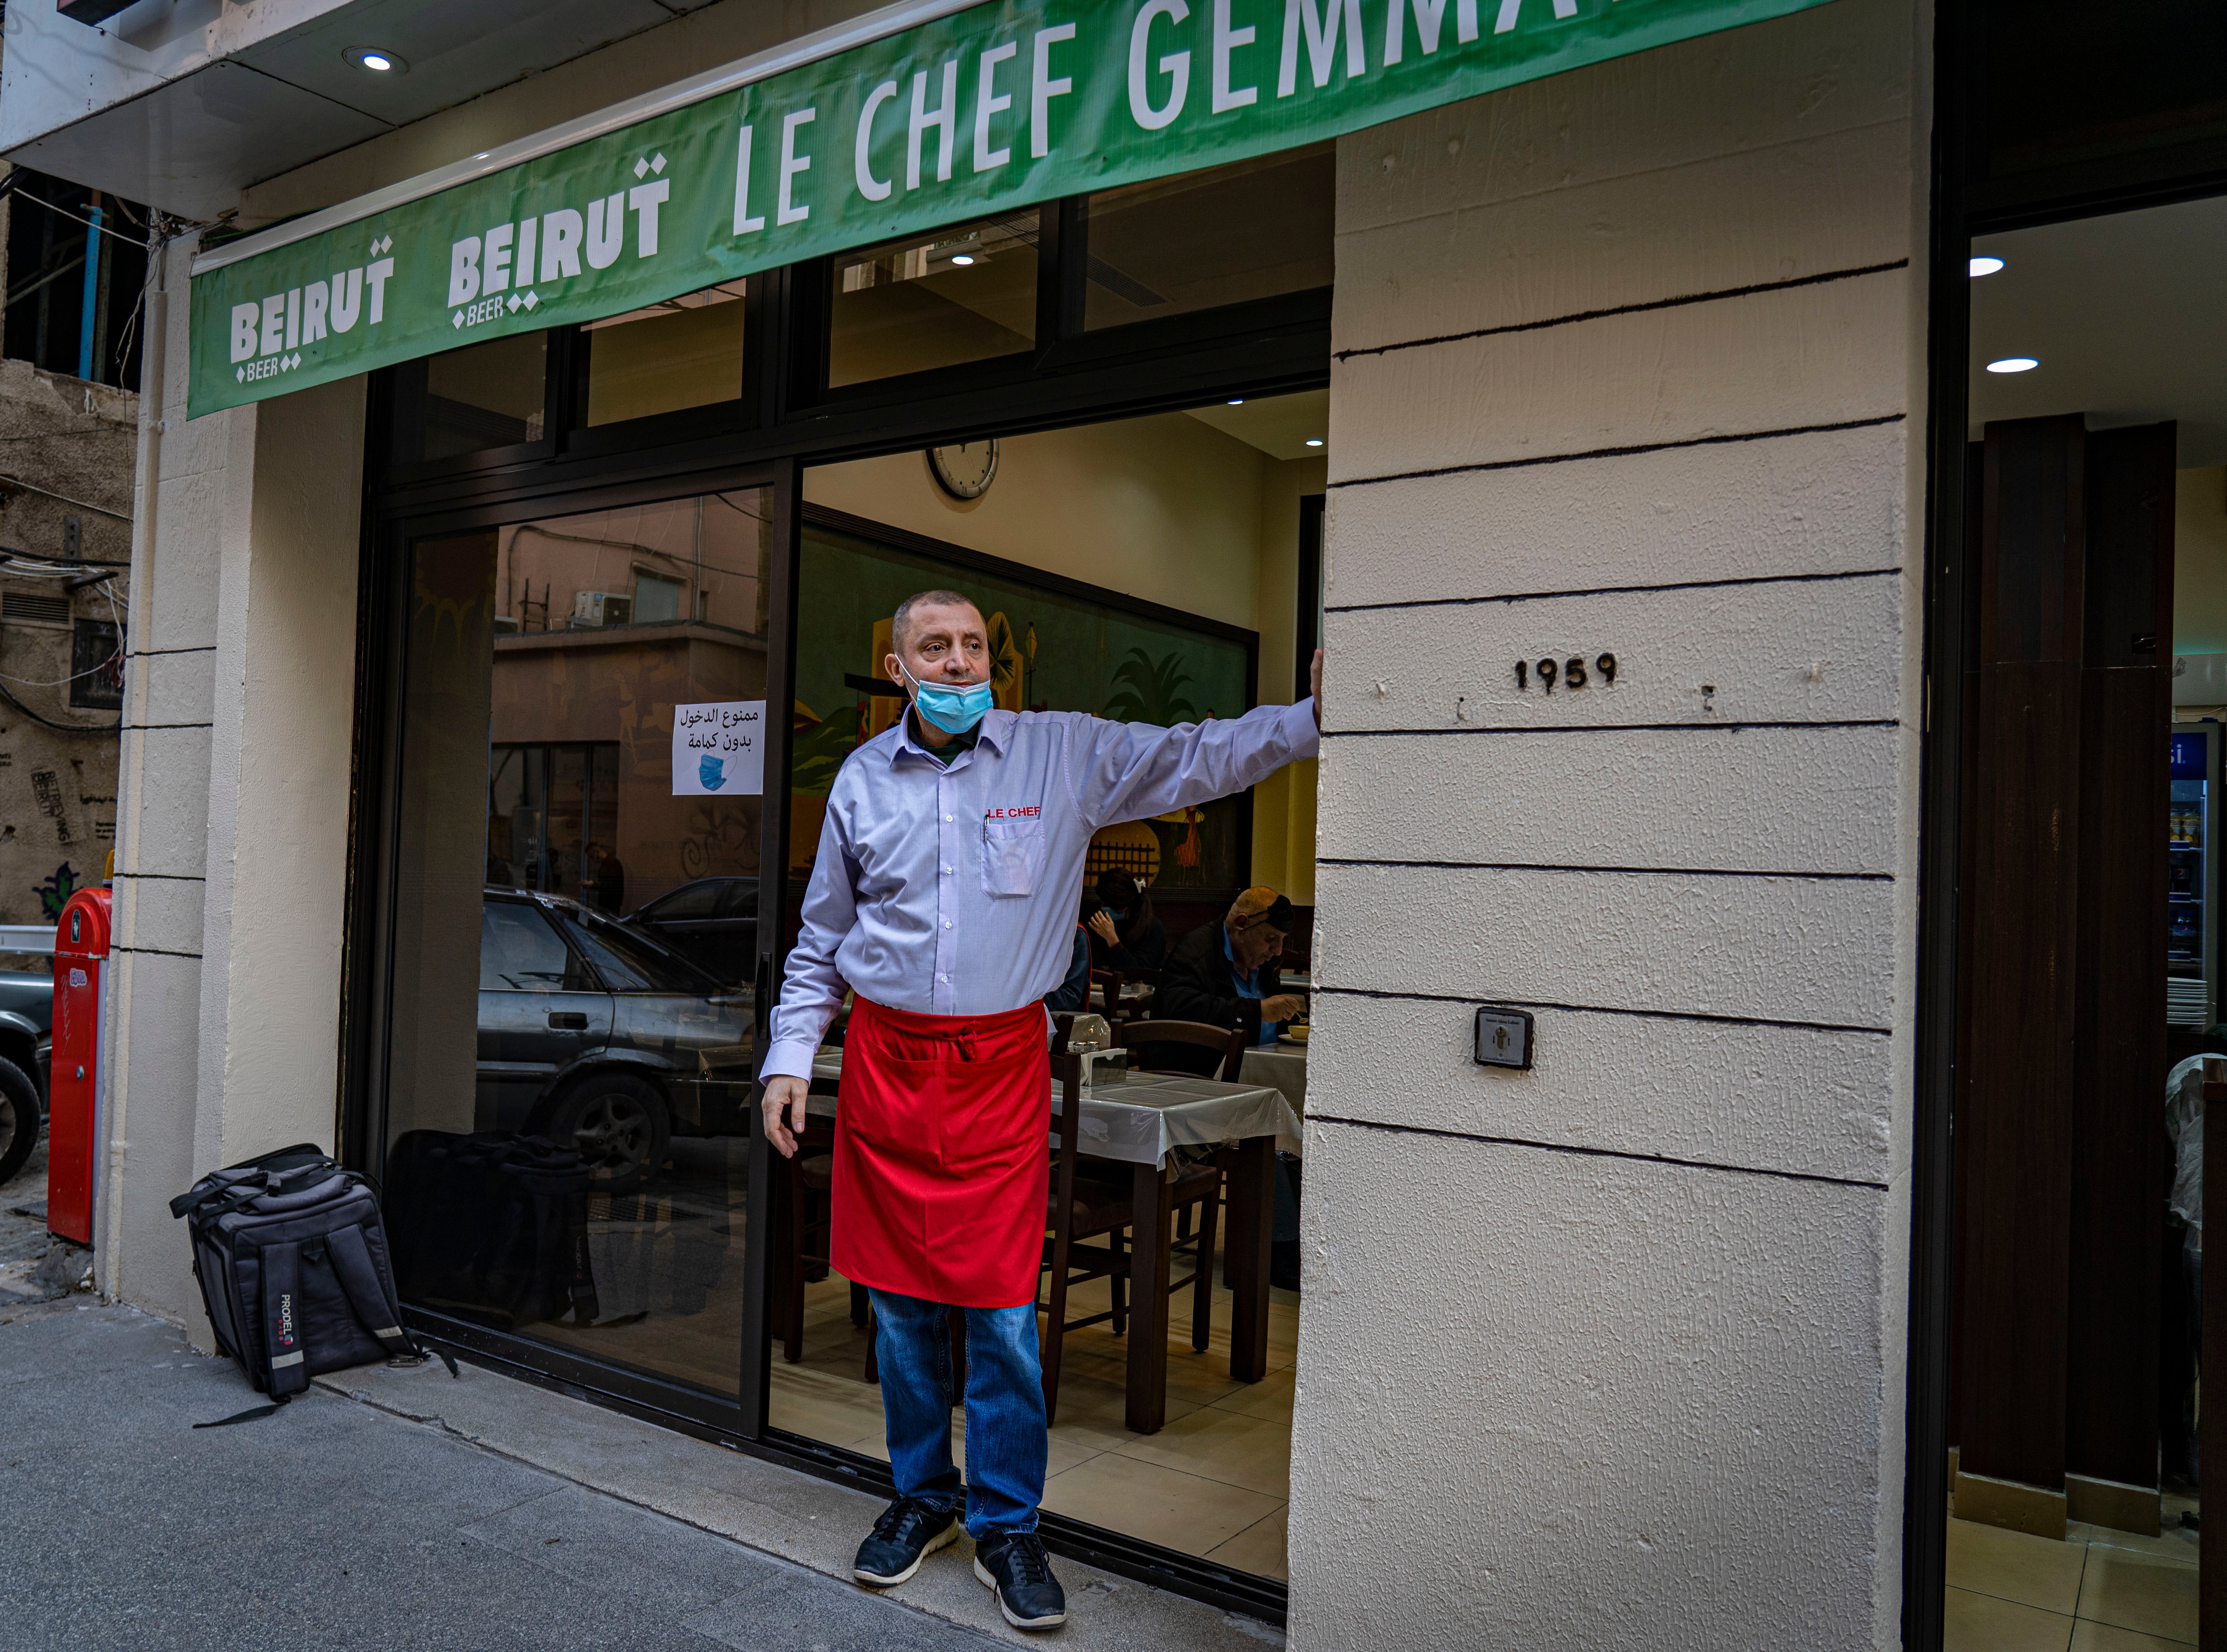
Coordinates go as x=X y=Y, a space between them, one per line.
x=581 y=717
x=68 y=427
x=583 y=732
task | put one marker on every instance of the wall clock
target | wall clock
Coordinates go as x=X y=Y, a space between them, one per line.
x=964 y=469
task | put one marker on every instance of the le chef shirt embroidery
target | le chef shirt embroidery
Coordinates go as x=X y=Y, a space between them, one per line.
x=951 y=889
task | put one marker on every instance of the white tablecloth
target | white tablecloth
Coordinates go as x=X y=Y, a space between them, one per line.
x=1147 y=1115
x=1284 y=1066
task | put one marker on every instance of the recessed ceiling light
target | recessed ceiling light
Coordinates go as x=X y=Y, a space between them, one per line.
x=2014 y=364
x=1237 y=401
x=377 y=59
x=1314 y=441
x=1985 y=265
x=963 y=258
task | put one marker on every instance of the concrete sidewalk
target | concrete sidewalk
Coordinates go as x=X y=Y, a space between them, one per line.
x=405 y=1509
x=336 y=1524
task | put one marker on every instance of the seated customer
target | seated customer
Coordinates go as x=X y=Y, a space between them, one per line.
x=1125 y=934
x=1072 y=995
x=1225 y=974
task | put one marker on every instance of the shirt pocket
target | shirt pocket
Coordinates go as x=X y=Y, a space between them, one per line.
x=1012 y=856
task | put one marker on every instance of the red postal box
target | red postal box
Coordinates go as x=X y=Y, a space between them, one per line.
x=73 y=1078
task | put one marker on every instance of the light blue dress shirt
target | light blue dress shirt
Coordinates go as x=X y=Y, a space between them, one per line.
x=952 y=890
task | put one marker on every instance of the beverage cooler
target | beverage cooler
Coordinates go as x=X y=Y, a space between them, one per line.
x=2192 y=929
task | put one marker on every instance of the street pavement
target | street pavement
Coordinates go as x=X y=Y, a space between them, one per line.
x=24 y=1243
x=336 y=1525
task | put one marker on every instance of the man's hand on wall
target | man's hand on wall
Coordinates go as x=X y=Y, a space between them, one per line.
x=785 y=1095
x=1314 y=687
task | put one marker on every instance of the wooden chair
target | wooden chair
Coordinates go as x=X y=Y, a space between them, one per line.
x=1230 y=1041
x=1106 y=984
x=1094 y=1199
x=1105 y=994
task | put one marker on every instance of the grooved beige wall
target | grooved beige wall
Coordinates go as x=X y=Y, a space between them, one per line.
x=223 y=1016
x=1609 y=1353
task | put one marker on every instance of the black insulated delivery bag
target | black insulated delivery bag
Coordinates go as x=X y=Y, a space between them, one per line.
x=293 y=1267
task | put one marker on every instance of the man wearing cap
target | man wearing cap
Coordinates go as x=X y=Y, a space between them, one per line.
x=1225 y=974
x=944 y=894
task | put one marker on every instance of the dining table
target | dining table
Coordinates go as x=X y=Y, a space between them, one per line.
x=1141 y=1119
x=1282 y=1065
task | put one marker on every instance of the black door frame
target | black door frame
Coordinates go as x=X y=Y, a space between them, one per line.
x=1966 y=204
x=782 y=423
x=367 y=1004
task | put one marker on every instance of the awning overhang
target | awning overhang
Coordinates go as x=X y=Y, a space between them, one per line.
x=919 y=115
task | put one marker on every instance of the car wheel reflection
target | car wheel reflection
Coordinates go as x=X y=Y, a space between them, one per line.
x=618 y=1125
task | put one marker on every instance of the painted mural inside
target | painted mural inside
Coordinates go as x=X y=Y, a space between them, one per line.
x=1051 y=651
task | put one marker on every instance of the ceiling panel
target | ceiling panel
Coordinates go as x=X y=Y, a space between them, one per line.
x=1278 y=426
x=188 y=146
x=454 y=52
x=2122 y=312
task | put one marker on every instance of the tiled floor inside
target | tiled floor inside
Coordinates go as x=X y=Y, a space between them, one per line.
x=2098 y=1591
x=1214 y=1481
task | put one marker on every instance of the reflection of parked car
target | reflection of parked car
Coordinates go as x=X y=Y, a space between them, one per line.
x=713 y=922
x=594 y=1034
x=27 y=1015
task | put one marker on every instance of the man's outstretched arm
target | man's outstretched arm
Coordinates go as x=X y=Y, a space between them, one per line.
x=1131 y=771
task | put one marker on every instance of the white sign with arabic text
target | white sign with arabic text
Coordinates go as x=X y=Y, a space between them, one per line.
x=718 y=749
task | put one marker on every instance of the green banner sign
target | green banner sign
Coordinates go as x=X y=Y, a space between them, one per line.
x=1004 y=105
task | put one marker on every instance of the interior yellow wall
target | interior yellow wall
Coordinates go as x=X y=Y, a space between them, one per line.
x=1284 y=804
x=2199 y=561
x=1161 y=508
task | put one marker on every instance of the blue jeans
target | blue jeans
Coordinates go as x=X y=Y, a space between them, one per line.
x=1005 y=1409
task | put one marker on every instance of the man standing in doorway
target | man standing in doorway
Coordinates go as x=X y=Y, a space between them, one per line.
x=949 y=868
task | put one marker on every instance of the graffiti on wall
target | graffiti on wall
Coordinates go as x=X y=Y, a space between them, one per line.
x=54 y=894
x=47 y=787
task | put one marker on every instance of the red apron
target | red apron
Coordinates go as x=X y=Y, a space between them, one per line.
x=942 y=1154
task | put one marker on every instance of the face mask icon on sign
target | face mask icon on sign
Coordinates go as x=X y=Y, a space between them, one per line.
x=712 y=772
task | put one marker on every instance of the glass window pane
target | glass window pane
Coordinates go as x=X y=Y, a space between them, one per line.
x=1249 y=230
x=964 y=294
x=536 y=756
x=519 y=952
x=686 y=351
x=489 y=395
x=630 y=961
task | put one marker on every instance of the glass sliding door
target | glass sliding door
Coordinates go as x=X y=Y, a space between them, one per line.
x=571 y=1031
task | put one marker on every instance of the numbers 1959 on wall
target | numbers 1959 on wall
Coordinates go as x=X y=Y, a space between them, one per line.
x=1571 y=673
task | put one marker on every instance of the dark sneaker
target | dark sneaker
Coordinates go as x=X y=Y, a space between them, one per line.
x=907 y=1534
x=1019 y=1572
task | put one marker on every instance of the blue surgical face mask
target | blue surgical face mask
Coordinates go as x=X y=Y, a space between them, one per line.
x=952 y=709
